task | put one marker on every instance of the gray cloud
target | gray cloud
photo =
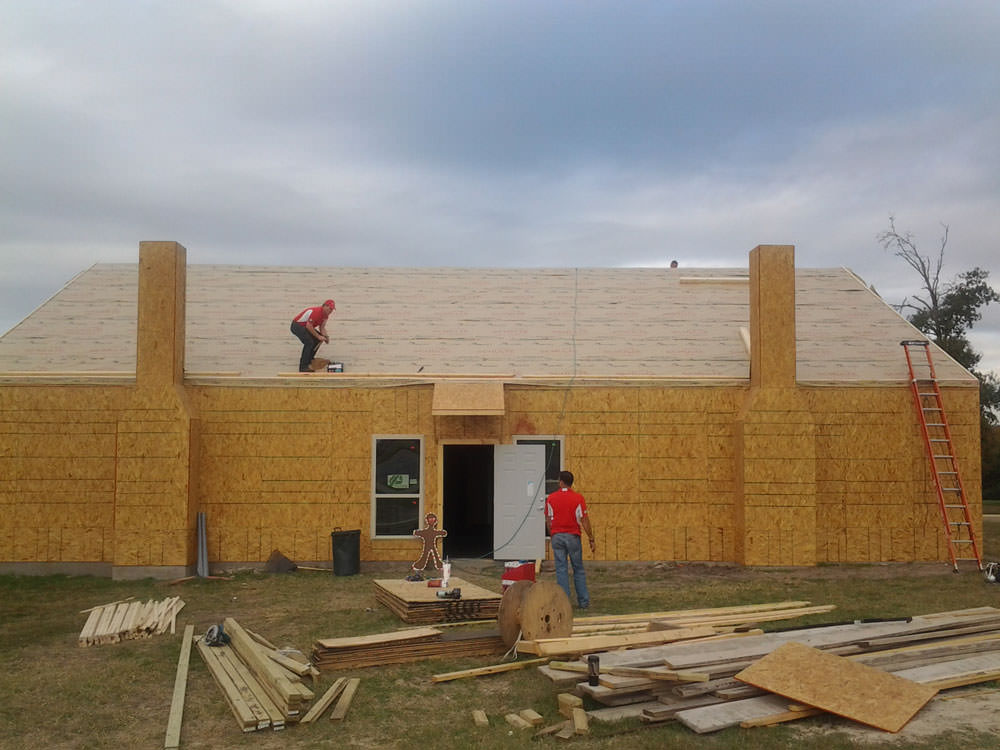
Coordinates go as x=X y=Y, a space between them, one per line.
x=483 y=134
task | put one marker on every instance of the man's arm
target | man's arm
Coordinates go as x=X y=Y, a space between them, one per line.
x=319 y=333
x=585 y=525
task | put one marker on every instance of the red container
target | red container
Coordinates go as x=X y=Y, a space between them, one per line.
x=517 y=570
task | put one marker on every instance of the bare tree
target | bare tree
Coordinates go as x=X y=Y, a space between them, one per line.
x=904 y=246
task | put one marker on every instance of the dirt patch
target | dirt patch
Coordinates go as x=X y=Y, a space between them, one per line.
x=965 y=712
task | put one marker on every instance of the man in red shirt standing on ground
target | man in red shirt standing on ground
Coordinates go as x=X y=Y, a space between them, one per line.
x=309 y=326
x=565 y=514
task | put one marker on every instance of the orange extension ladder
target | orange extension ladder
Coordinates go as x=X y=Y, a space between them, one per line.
x=958 y=531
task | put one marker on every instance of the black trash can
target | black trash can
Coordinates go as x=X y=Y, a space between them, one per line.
x=346 y=552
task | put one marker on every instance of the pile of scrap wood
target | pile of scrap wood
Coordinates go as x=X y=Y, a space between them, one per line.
x=263 y=687
x=877 y=673
x=402 y=646
x=123 y=620
x=419 y=604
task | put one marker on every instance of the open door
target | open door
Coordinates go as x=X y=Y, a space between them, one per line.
x=518 y=502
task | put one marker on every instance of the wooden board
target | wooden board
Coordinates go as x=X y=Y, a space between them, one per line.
x=319 y=706
x=593 y=643
x=173 y=738
x=484 y=398
x=723 y=715
x=753 y=647
x=391 y=648
x=346 y=698
x=399 y=636
x=964 y=671
x=417 y=603
x=838 y=685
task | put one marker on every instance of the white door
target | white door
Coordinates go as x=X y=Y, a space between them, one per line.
x=518 y=502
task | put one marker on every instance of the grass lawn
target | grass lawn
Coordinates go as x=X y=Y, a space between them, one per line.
x=55 y=694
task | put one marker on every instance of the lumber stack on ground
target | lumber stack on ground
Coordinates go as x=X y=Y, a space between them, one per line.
x=287 y=693
x=402 y=646
x=636 y=630
x=260 y=692
x=119 y=621
x=936 y=651
x=417 y=603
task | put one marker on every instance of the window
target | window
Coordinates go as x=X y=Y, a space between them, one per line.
x=553 y=458
x=397 y=492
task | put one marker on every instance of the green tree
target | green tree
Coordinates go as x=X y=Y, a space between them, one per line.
x=991 y=461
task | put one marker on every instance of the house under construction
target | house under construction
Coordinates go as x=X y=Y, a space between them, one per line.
x=760 y=416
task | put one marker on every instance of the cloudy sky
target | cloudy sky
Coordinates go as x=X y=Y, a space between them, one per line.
x=497 y=133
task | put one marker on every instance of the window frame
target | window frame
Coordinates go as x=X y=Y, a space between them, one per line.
x=375 y=495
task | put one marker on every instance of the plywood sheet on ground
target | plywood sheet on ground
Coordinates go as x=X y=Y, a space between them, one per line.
x=855 y=691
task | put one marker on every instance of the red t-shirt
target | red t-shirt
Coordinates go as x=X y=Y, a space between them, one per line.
x=315 y=315
x=564 y=509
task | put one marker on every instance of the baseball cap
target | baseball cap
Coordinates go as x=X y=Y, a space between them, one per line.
x=329 y=303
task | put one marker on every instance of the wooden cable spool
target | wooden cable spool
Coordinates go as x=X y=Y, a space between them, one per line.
x=533 y=610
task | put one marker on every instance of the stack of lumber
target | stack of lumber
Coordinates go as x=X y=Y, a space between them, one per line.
x=124 y=620
x=606 y=632
x=402 y=646
x=261 y=690
x=760 y=679
x=417 y=603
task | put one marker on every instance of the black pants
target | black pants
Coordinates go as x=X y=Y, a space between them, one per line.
x=309 y=345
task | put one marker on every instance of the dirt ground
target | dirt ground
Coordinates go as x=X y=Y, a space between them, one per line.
x=971 y=709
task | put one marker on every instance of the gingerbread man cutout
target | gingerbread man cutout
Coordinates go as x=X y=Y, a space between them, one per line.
x=429 y=535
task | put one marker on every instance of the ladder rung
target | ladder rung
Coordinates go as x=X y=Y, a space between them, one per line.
x=951 y=489
x=952 y=507
x=961 y=541
x=936 y=424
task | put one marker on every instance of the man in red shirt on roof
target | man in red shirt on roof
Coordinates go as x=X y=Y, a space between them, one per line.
x=309 y=326
x=565 y=514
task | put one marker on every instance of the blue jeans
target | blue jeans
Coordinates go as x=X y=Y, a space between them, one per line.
x=569 y=545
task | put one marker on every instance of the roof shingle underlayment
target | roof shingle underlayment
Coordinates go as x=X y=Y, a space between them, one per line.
x=677 y=324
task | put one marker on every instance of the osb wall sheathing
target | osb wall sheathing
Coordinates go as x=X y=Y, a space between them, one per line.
x=656 y=464
x=282 y=468
x=776 y=479
x=93 y=475
x=875 y=493
x=154 y=472
x=100 y=474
